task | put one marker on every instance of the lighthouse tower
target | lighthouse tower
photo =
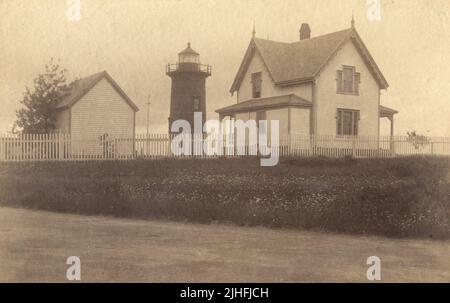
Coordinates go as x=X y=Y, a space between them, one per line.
x=188 y=94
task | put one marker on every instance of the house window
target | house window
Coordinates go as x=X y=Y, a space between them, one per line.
x=196 y=104
x=256 y=85
x=347 y=122
x=347 y=80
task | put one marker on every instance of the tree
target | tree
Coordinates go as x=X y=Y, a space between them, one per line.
x=418 y=141
x=39 y=112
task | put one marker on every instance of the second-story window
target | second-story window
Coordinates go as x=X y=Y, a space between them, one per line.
x=347 y=81
x=256 y=85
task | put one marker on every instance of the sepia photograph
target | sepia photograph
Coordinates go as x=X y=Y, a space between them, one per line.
x=238 y=141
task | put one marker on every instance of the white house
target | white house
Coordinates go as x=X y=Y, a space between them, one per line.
x=325 y=85
x=95 y=112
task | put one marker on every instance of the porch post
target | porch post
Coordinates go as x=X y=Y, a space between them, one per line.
x=227 y=134
x=222 y=134
x=391 y=119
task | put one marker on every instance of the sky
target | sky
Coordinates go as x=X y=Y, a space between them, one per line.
x=134 y=39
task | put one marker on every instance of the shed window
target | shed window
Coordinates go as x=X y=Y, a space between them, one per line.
x=256 y=85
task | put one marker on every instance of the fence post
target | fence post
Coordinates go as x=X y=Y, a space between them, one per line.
x=289 y=145
x=60 y=147
x=312 y=143
x=391 y=145
x=114 y=148
x=354 y=147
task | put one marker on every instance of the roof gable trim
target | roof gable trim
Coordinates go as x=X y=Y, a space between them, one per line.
x=356 y=40
x=249 y=54
x=116 y=87
x=351 y=35
x=367 y=57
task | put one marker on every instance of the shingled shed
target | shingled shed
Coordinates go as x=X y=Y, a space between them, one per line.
x=95 y=108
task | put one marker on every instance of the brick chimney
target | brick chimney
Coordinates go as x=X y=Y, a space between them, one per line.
x=305 y=31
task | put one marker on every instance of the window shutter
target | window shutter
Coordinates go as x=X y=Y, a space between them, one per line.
x=339 y=123
x=356 y=82
x=355 y=122
x=339 y=81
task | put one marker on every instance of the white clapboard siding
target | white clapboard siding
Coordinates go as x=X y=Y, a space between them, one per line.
x=102 y=112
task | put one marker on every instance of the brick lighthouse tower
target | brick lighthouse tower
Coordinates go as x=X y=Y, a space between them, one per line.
x=188 y=94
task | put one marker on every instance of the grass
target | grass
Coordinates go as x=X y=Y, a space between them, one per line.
x=404 y=197
x=34 y=246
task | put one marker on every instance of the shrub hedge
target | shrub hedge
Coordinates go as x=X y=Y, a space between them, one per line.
x=403 y=197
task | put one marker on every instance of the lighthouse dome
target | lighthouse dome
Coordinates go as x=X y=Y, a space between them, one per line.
x=188 y=55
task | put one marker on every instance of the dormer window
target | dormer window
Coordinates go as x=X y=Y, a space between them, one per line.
x=256 y=85
x=347 y=81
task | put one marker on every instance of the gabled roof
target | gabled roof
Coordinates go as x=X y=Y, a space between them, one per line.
x=301 y=61
x=264 y=103
x=78 y=88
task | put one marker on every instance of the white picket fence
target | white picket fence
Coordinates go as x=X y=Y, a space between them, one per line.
x=61 y=147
